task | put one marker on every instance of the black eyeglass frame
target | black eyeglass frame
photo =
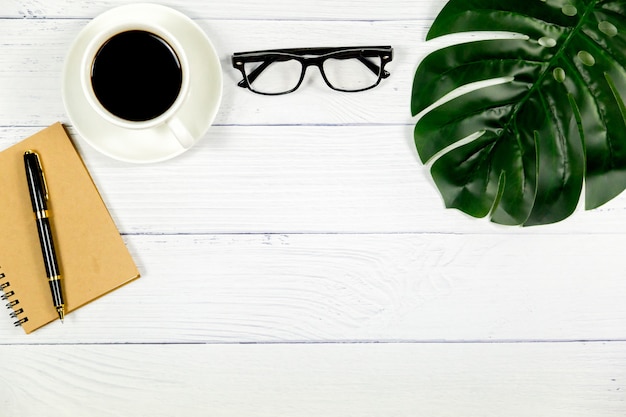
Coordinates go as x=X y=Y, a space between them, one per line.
x=311 y=57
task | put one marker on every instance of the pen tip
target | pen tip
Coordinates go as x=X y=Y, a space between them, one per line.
x=61 y=312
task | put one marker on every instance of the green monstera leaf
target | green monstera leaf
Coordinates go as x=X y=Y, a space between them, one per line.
x=523 y=149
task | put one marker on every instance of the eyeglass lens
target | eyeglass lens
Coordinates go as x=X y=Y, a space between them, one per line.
x=273 y=76
x=352 y=74
x=278 y=75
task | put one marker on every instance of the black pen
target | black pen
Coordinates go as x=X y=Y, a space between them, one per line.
x=38 y=197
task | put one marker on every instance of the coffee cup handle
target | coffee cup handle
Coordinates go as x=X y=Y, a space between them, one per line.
x=181 y=132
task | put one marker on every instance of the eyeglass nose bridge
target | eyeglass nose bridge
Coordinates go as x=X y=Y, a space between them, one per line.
x=313 y=62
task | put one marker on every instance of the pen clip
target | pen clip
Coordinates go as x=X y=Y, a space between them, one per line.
x=42 y=176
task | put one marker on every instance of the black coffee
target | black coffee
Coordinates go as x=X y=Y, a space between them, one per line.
x=136 y=75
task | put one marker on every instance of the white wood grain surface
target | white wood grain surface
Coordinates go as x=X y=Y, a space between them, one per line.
x=473 y=380
x=299 y=261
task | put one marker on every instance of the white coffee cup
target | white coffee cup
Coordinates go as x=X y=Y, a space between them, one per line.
x=167 y=133
x=169 y=117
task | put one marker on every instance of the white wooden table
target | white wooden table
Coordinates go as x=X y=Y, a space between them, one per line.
x=319 y=274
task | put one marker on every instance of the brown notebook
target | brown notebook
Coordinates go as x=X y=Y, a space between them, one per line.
x=92 y=256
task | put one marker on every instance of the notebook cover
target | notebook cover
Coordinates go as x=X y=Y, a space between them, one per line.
x=92 y=256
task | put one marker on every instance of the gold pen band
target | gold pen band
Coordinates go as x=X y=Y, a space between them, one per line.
x=42 y=214
x=55 y=278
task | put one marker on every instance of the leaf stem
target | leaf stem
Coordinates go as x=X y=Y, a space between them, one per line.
x=561 y=51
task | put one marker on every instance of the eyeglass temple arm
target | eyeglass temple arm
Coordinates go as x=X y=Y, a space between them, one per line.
x=373 y=67
x=249 y=79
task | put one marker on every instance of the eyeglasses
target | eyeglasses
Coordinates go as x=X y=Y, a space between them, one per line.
x=281 y=71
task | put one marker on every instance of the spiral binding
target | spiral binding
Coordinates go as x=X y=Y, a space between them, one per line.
x=12 y=302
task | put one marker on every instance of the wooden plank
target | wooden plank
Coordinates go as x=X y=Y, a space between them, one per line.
x=295 y=179
x=32 y=54
x=443 y=380
x=241 y=9
x=398 y=287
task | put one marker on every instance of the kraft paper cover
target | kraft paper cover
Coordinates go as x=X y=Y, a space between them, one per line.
x=92 y=256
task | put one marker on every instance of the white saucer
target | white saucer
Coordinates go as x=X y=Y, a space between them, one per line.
x=154 y=144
